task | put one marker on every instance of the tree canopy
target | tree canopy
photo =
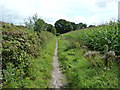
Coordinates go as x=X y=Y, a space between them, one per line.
x=39 y=25
x=63 y=26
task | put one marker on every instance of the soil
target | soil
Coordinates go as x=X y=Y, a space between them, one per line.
x=58 y=79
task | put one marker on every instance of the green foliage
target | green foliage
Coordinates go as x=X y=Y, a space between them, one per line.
x=58 y=34
x=84 y=72
x=63 y=26
x=95 y=38
x=39 y=25
x=36 y=24
x=81 y=26
x=30 y=22
x=51 y=29
x=75 y=27
x=91 y=26
x=84 y=69
x=22 y=52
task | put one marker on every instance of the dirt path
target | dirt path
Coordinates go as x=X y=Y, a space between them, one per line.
x=58 y=79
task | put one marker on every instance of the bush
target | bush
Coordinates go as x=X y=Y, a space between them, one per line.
x=19 y=47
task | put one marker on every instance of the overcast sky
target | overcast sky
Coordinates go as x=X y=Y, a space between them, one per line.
x=86 y=11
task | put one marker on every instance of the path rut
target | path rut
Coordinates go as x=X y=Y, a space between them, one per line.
x=58 y=79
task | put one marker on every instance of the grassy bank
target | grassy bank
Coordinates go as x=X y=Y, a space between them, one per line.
x=81 y=71
x=40 y=70
x=96 y=37
x=26 y=57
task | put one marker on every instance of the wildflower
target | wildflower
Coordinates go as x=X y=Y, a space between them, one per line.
x=28 y=78
x=91 y=53
x=18 y=70
x=84 y=46
x=94 y=53
x=104 y=57
x=111 y=53
x=87 y=54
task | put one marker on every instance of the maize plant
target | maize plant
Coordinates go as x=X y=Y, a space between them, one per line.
x=95 y=38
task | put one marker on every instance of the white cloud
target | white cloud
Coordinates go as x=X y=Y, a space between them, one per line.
x=87 y=11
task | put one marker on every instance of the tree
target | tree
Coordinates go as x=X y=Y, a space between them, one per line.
x=91 y=25
x=49 y=26
x=39 y=25
x=68 y=27
x=36 y=24
x=30 y=22
x=81 y=25
x=84 y=26
x=51 y=29
x=75 y=26
x=63 y=26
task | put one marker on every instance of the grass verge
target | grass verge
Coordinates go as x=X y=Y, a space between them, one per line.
x=26 y=57
x=79 y=71
x=40 y=70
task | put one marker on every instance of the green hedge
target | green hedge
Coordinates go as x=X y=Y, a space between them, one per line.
x=19 y=46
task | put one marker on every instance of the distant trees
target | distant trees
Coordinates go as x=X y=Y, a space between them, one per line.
x=81 y=26
x=36 y=24
x=75 y=26
x=91 y=26
x=39 y=25
x=51 y=28
x=63 y=26
x=30 y=22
